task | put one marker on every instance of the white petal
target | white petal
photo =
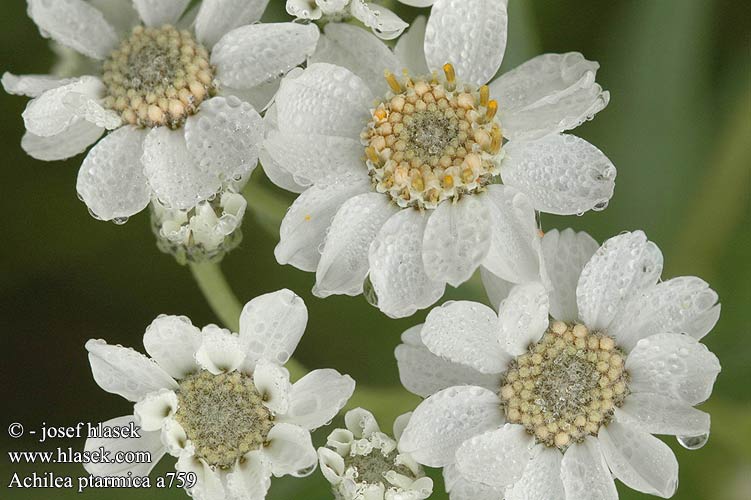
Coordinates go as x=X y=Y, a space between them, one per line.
x=514 y=253
x=423 y=373
x=317 y=398
x=276 y=172
x=381 y=20
x=159 y=12
x=151 y=411
x=465 y=332
x=173 y=172
x=250 y=478
x=31 y=85
x=584 y=473
x=621 y=267
x=497 y=457
x=542 y=477
x=290 y=450
x=258 y=53
x=657 y=414
x=259 y=96
x=56 y=109
x=680 y=305
x=462 y=489
x=303 y=228
x=564 y=254
x=110 y=180
x=360 y=52
x=523 y=317
x=121 y=14
x=341 y=441
x=74 y=139
x=304 y=9
x=344 y=260
x=223 y=138
x=562 y=174
x=126 y=372
x=361 y=423
x=547 y=95
x=441 y=423
x=639 y=460
x=457 y=239
x=148 y=442
x=174 y=437
x=316 y=159
x=400 y=423
x=75 y=24
x=272 y=382
x=172 y=341
x=218 y=17
x=496 y=288
x=396 y=268
x=324 y=99
x=674 y=365
x=409 y=48
x=208 y=481
x=271 y=325
x=221 y=351
x=470 y=34
x=418 y=3
x=331 y=464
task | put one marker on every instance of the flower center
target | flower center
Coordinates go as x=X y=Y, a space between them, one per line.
x=432 y=140
x=223 y=415
x=375 y=460
x=157 y=76
x=567 y=386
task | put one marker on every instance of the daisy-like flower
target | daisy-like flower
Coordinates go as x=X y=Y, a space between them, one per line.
x=521 y=406
x=220 y=402
x=399 y=175
x=176 y=101
x=382 y=21
x=363 y=463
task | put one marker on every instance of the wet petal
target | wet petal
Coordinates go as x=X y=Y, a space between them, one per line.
x=172 y=341
x=317 y=398
x=159 y=12
x=218 y=17
x=290 y=450
x=497 y=457
x=523 y=317
x=657 y=414
x=147 y=442
x=74 y=139
x=584 y=473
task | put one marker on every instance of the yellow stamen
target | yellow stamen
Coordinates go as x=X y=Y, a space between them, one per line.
x=448 y=70
x=492 y=110
x=393 y=82
x=372 y=155
x=496 y=140
x=484 y=95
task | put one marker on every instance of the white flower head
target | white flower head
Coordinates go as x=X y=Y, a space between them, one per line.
x=520 y=405
x=400 y=175
x=204 y=233
x=221 y=402
x=363 y=463
x=382 y=21
x=177 y=91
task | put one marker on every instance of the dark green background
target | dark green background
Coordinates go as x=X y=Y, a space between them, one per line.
x=678 y=129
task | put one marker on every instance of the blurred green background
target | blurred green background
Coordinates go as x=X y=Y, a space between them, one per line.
x=678 y=129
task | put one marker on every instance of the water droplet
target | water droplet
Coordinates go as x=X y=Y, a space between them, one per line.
x=120 y=220
x=369 y=292
x=601 y=205
x=693 y=442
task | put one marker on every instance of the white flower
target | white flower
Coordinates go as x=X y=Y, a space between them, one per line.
x=178 y=101
x=220 y=402
x=382 y=21
x=402 y=188
x=204 y=233
x=363 y=463
x=521 y=406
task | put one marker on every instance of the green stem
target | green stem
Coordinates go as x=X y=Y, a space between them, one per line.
x=226 y=306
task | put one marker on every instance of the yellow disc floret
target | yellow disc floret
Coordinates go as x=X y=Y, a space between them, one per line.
x=566 y=386
x=157 y=76
x=432 y=140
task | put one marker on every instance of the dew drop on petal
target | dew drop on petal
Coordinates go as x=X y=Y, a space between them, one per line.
x=369 y=292
x=693 y=442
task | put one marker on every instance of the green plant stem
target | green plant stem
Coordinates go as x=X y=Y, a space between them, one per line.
x=226 y=306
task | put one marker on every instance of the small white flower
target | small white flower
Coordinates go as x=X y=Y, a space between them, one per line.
x=522 y=406
x=221 y=402
x=382 y=21
x=204 y=233
x=363 y=463
x=178 y=101
x=399 y=175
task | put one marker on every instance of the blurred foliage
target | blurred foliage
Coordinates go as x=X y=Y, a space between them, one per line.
x=678 y=128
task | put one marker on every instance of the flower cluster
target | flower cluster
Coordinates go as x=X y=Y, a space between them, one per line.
x=415 y=167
